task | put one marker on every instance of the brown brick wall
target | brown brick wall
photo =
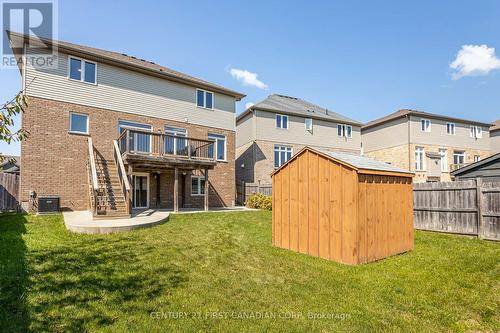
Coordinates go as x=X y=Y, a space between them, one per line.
x=54 y=161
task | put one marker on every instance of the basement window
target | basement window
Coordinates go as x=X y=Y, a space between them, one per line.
x=197 y=185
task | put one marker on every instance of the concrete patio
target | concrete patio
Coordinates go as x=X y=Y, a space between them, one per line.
x=82 y=222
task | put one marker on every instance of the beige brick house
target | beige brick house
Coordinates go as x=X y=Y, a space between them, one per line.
x=430 y=145
x=271 y=131
x=110 y=132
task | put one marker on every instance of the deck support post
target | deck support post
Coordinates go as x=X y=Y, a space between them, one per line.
x=176 y=189
x=206 y=190
x=130 y=199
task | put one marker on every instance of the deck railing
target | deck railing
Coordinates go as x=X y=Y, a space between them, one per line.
x=122 y=175
x=94 y=186
x=134 y=141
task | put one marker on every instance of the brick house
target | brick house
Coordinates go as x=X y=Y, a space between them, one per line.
x=110 y=132
x=271 y=131
x=431 y=145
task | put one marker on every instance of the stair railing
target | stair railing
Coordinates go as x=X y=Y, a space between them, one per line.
x=122 y=175
x=93 y=177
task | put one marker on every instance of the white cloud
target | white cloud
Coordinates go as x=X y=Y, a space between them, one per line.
x=474 y=60
x=249 y=105
x=247 y=78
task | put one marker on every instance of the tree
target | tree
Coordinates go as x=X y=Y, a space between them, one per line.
x=8 y=111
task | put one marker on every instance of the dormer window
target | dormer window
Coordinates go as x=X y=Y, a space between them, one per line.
x=425 y=125
x=205 y=99
x=82 y=70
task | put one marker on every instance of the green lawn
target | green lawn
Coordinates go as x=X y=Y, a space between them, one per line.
x=218 y=271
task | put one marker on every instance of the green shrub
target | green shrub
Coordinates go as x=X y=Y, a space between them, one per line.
x=260 y=201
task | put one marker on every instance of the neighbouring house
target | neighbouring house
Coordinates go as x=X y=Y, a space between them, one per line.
x=495 y=137
x=10 y=164
x=487 y=169
x=111 y=132
x=431 y=145
x=271 y=131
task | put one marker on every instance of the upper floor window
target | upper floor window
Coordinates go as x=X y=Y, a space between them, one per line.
x=344 y=130
x=204 y=99
x=308 y=123
x=425 y=125
x=476 y=132
x=218 y=149
x=281 y=121
x=281 y=155
x=450 y=128
x=419 y=158
x=78 y=123
x=82 y=70
x=477 y=158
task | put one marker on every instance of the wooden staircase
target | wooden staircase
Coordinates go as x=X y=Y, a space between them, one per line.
x=110 y=198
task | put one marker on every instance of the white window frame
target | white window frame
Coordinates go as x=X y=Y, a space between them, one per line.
x=199 y=187
x=281 y=121
x=450 y=126
x=215 y=145
x=462 y=153
x=281 y=148
x=476 y=132
x=443 y=153
x=423 y=128
x=82 y=70
x=420 y=164
x=343 y=130
x=177 y=132
x=135 y=139
x=71 y=122
x=477 y=158
x=205 y=99
x=310 y=120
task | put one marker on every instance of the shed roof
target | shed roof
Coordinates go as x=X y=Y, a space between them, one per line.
x=356 y=162
x=496 y=126
x=297 y=106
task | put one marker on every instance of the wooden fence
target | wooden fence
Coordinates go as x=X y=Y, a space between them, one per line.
x=243 y=191
x=464 y=207
x=9 y=192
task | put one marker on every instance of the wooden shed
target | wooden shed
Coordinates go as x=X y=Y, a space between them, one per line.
x=342 y=207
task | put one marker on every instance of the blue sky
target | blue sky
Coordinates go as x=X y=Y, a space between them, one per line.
x=363 y=59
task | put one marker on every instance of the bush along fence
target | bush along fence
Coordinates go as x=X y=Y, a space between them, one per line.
x=9 y=192
x=244 y=191
x=470 y=207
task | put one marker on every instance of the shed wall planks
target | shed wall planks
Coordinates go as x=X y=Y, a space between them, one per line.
x=326 y=209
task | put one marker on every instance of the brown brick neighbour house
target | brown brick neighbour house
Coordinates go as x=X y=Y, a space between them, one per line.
x=431 y=145
x=100 y=114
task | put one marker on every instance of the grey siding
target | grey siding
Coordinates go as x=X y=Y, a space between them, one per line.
x=324 y=133
x=127 y=91
x=438 y=135
x=245 y=130
x=391 y=134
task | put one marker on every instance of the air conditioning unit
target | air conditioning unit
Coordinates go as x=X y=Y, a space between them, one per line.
x=48 y=204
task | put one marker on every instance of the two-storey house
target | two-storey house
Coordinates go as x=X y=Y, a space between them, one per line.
x=431 y=145
x=111 y=132
x=271 y=131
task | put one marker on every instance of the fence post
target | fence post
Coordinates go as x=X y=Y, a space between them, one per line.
x=480 y=225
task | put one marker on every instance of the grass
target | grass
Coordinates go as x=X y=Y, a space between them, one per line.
x=218 y=272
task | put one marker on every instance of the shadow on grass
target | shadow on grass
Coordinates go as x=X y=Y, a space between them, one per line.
x=13 y=274
x=92 y=282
